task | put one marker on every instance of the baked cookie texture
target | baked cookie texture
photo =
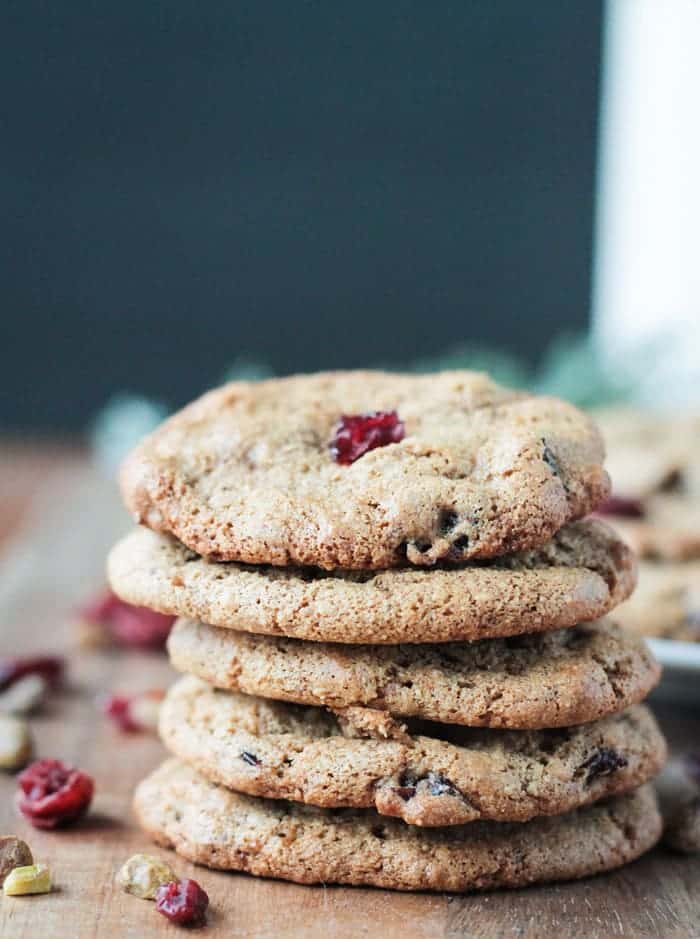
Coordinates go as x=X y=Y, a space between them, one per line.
x=666 y=602
x=211 y=825
x=553 y=679
x=426 y=774
x=580 y=574
x=245 y=473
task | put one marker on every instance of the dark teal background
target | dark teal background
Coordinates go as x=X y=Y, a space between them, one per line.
x=312 y=184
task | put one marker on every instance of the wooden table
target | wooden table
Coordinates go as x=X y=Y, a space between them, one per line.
x=57 y=519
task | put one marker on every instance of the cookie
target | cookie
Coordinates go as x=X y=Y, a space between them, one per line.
x=248 y=472
x=426 y=774
x=654 y=461
x=580 y=574
x=669 y=529
x=666 y=603
x=553 y=679
x=648 y=452
x=211 y=825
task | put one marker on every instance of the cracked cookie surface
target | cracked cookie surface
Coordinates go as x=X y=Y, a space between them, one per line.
x=552 y=679
x=424 y=773
x=211 y=825
x=246 y=473
x=581 y=573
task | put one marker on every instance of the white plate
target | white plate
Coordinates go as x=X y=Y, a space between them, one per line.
x=681 y=663
x=677 y=655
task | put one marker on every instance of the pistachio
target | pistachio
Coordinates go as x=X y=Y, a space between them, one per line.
x=13 y=853
x=34 y=878
x=15 y=742
x=143 y=874
x=24 y=696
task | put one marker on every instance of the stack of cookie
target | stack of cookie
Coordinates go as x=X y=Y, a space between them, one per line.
x=393 y=624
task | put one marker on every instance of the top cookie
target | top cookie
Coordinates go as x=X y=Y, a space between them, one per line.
x=248 y=472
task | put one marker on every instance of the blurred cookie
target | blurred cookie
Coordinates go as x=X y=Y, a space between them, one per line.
x=666 y=602
x=654 y=462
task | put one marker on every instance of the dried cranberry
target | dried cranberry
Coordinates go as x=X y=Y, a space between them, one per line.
x=182 y=901
x=51 y=793
x=50 y=667
x=358 y=433
x=116 y=707
x=623 y=506
x=405 y=792
x=132 y=713
x=602 y=762
x=128 y=624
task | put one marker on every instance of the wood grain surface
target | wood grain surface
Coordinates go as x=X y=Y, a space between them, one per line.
x=58 y=517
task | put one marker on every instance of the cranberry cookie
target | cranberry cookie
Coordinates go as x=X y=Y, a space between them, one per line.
x=211 y=825
x=426 y=774
x=581 y=573
x=553 y=679
x=366 y=470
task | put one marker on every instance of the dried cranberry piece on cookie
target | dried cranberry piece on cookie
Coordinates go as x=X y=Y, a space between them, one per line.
x=356 y=434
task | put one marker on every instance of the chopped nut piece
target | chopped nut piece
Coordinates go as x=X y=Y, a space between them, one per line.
x=35 y=878
x=13 y=853
x=682 y=830
x=143 y=874
x=24 y=696
x=15 y=742
x=366 y=722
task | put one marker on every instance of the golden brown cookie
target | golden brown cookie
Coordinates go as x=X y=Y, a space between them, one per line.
x=427 y=774
x=211 y=825
x=581 y=573
x=248 y=472
x=553 y=679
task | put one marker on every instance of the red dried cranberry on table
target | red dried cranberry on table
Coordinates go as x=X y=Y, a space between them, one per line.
x=183 y=901
x=356 y=434
x=52 y=794
x=126 y=623
x=50 y=667
x=622 y=506
x=133 y=712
